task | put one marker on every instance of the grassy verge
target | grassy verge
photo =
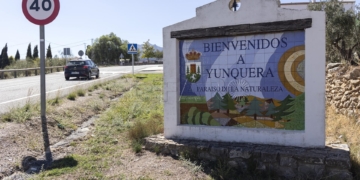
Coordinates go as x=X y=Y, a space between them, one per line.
x=137 y=114
x=344 y=129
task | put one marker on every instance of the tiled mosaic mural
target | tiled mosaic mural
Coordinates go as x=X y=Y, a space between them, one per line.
x=253 y=81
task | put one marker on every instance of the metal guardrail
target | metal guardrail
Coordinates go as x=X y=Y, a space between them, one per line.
x=28 y=71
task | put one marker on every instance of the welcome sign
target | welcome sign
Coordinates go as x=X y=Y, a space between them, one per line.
x=252 y=81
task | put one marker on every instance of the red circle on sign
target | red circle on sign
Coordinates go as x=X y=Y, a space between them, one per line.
x=41 y=21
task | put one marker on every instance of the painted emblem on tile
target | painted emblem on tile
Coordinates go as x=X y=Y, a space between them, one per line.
x=252 y=81
x=193 y=66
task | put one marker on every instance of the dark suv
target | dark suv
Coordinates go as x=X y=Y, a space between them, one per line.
x=81 y=68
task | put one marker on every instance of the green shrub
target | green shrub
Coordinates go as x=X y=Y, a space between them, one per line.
x=71 y=96
x=81 y=92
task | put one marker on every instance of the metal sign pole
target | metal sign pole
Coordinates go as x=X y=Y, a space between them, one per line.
x=132 y=55
x=43 y=96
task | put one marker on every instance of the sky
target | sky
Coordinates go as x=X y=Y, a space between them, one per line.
x=80 y=21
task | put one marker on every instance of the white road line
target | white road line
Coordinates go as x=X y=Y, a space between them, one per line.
x=50 y=91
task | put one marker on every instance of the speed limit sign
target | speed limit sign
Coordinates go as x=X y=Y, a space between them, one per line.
x=41 y=12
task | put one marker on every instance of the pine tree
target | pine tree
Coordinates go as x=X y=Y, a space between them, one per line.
x=281 y=110
x=296 y=113
x=4 y=57
x=198 y=70
x=17 y=55
x=246 y=100
x=242 y=101
x=216 y=102
x=271 y=110
x=187 y=70
x=254 y=108
x=35 y=52
x=48 y=52
x=11 y=59
x=228 y=103
x=28 y=53
x=0 y=62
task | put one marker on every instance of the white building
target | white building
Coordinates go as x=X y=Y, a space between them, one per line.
x=348 y=4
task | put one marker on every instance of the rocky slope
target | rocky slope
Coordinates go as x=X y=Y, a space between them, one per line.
x=342 y=88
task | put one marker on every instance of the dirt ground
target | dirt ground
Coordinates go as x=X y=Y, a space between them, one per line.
x=19 y=140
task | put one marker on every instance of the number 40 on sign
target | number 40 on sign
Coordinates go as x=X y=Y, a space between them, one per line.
x=40 y=12
x=46 y=5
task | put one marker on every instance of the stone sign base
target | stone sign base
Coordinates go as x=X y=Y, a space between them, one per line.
x=331 y=162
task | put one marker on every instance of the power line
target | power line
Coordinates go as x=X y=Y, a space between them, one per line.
x=22 y=43
x=67 y=46
x=59 y=45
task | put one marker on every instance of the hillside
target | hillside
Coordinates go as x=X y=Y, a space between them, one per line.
x=155 y=46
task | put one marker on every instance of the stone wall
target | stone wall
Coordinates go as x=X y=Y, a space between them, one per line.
x=332 y=162
x=342 y=88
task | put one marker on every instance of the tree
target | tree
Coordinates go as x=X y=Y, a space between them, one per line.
x=147 y=50
x=342 y=28
x=1 y=62
x=107 y=48
x=242 y=101
x=282 y=109
x=296 y=114
x=271 y=110
x=17 y=55
x=216 y=102
x=11 y=59
x=158 y=54
x=35 y=52
x=254 y=108
x=48 y=52
x=88 y=51
x=4 y=57
x=228 y=103
x=28 y=53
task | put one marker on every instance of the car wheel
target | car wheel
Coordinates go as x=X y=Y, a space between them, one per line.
x=97 y=75
x=67 y=78
x=89 y=75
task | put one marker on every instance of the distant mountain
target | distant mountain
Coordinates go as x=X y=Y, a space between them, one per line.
x=150 y=59
x=155 y=46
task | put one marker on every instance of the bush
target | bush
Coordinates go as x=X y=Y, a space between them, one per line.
x=81 y=92
x=72 y=96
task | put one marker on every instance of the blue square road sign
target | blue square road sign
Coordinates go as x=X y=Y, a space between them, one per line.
x=132 y=48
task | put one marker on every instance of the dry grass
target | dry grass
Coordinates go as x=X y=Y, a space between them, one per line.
x=119 y=131
x=72 y=96
x=20 y=129
x=108 y=153
x=81 y=92
x=343 y=129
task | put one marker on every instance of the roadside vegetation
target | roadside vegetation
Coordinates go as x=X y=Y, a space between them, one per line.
x=31 y=63
x=21 y=127
x=34 y=63
x=114 y=147
x=122 y=127
x=346 y=130
x=342 y=31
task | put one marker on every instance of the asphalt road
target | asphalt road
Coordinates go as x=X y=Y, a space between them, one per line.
x=17 y=92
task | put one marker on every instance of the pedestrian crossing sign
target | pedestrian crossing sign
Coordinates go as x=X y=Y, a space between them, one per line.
x=132 y=48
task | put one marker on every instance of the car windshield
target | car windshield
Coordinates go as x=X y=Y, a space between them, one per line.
x=77 y=63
